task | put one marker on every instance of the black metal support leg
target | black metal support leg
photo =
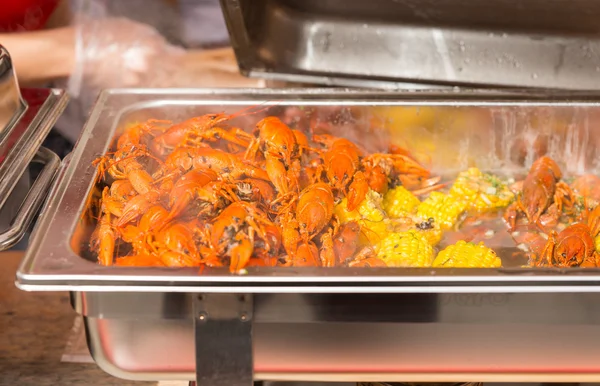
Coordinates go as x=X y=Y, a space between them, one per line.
x=223 y=327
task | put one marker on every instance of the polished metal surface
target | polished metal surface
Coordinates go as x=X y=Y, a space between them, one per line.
x=34 y=199
x=493 y=128
x=416 y=44
x=26 y=117
x=380 y=338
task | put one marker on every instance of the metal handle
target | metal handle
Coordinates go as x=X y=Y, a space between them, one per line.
x=34 y=199
x=223 y=332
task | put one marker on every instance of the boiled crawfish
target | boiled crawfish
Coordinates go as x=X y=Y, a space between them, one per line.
x=352 y=174
x=128 y=163
x=233 y=235
x=282 y=152
x=203 y=186
x=304 y=219
x=154 y=219
x=221 y=162
x=574 y=246
x=104 y=237
x=588 y=186
x=194 y=130
x=175 y=245
x=542 y=197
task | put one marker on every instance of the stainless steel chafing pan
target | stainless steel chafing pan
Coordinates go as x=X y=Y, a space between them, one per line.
x=334 y=324
x=491 y=130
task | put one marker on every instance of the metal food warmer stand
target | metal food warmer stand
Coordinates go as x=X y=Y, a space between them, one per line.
x=338 y=324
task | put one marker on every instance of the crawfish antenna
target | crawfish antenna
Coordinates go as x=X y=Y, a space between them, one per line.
x=262 y=107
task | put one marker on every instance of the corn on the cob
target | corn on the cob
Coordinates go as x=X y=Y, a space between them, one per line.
x=372 y=232
x=430 y=231
x=369 y=215
x=405 y=249
x=433 y=236
x=398 y=202
x=482 y=191
x=467 y=255
x=370 y=208
x=343 y=214
x=443 y=209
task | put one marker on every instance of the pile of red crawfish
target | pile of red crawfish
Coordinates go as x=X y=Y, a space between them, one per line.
x=205 y=193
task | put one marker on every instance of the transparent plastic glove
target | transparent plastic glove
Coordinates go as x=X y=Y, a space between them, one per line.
x=211 y=68
x=118 y=52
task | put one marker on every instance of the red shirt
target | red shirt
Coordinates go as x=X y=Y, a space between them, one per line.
x=25 y=15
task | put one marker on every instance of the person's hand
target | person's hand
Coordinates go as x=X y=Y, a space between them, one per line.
x=118 y=52
x=210 y=68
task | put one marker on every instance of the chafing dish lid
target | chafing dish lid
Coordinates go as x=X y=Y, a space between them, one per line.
x=418 y=44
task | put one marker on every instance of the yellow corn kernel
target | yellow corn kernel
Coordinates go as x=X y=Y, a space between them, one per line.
x=443 y=209
x=343 y=214
x=398 y=202
x=597 y=243
x=369 y=215
x=482 y=191
x=405 y=249
x=370 y=209
x=467 y=255
x=433 y=236
x=372 y=232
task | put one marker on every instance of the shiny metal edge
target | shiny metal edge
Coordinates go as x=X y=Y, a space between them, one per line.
x=53 y=285
x=50 y=263
x=340 y=82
